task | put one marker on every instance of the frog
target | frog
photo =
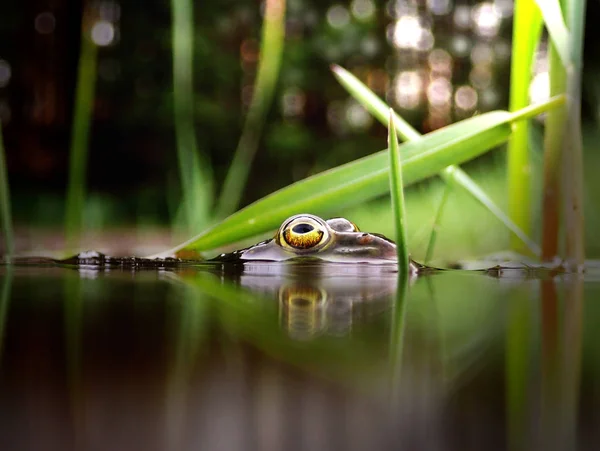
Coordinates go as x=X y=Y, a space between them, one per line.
x=306 y=236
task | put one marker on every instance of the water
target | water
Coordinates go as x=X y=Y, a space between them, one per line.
x=278 y=357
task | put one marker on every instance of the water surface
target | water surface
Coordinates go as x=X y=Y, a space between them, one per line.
x=295 y=357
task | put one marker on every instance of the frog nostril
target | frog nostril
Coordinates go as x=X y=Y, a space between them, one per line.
x=302 y=228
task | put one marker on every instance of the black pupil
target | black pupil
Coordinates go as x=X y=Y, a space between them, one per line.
x=302 y=228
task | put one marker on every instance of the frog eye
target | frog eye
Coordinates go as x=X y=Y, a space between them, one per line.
x=303 y=232
x=342 y=225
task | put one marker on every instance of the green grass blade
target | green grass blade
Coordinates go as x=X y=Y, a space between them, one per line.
x=364 y=179
x=527 y=26
x=378 y=108
x=84 y=103
x=196 y=179
x=397 y=191
x=557 y=29
x=5 y=210
x=273 y=34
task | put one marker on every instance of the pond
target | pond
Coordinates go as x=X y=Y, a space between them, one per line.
x=315 y=357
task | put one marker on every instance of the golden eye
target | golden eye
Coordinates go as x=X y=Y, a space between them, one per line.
x=303 y=232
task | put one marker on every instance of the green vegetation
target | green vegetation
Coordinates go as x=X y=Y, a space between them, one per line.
x=328 y=192
x=84 y=103
x=196 y=179
x=397 y=190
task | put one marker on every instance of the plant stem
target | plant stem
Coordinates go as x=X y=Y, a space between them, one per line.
x=5 y=210
x=573 y=154
x=273 y=34
x=553 y=142
x=526 y=32
x=84 y=103
x=196 y=182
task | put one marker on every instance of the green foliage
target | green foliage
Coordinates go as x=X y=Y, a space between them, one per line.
x=452 y=174
x=366 y=178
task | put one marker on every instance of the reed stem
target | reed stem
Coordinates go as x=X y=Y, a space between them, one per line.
x=5 y=210
x=78 y=156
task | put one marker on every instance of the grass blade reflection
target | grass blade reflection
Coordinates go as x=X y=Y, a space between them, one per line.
x=4 y=303
x=397 y=338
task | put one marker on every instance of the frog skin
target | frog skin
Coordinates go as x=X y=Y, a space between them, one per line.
x=307 y=236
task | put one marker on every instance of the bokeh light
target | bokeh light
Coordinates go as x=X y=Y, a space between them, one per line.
x=460 y=45
x=465 y=98
x=439 y=92
x=462 y=17
x=439 y=7
x=103 y=33
x=410 y=34
x=338 y=16
x=480 y=76
x=357 y=117
x=440 y=62
x=408 y=89
x=5 y=73
x=486 y=20
x=45 y=23
x=363 y=9
x=292 y=102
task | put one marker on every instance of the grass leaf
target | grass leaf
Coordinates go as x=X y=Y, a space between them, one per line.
x=557 y=29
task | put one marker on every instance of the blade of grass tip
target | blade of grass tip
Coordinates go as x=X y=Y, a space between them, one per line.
x=557 y=29
x=196 y=180
x=5 y=210
x=527 y=27
x=273 y=34
x=379 y=108
x=78 y=155
x=436 y=223
x=397 y=191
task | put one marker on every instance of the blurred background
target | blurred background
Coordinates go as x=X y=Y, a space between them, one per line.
x=435 y=61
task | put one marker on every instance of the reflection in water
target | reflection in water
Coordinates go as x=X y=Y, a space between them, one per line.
x=276 y=357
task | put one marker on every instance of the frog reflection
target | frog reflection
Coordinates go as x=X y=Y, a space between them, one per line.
x=307 y=236
x=309 y=310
